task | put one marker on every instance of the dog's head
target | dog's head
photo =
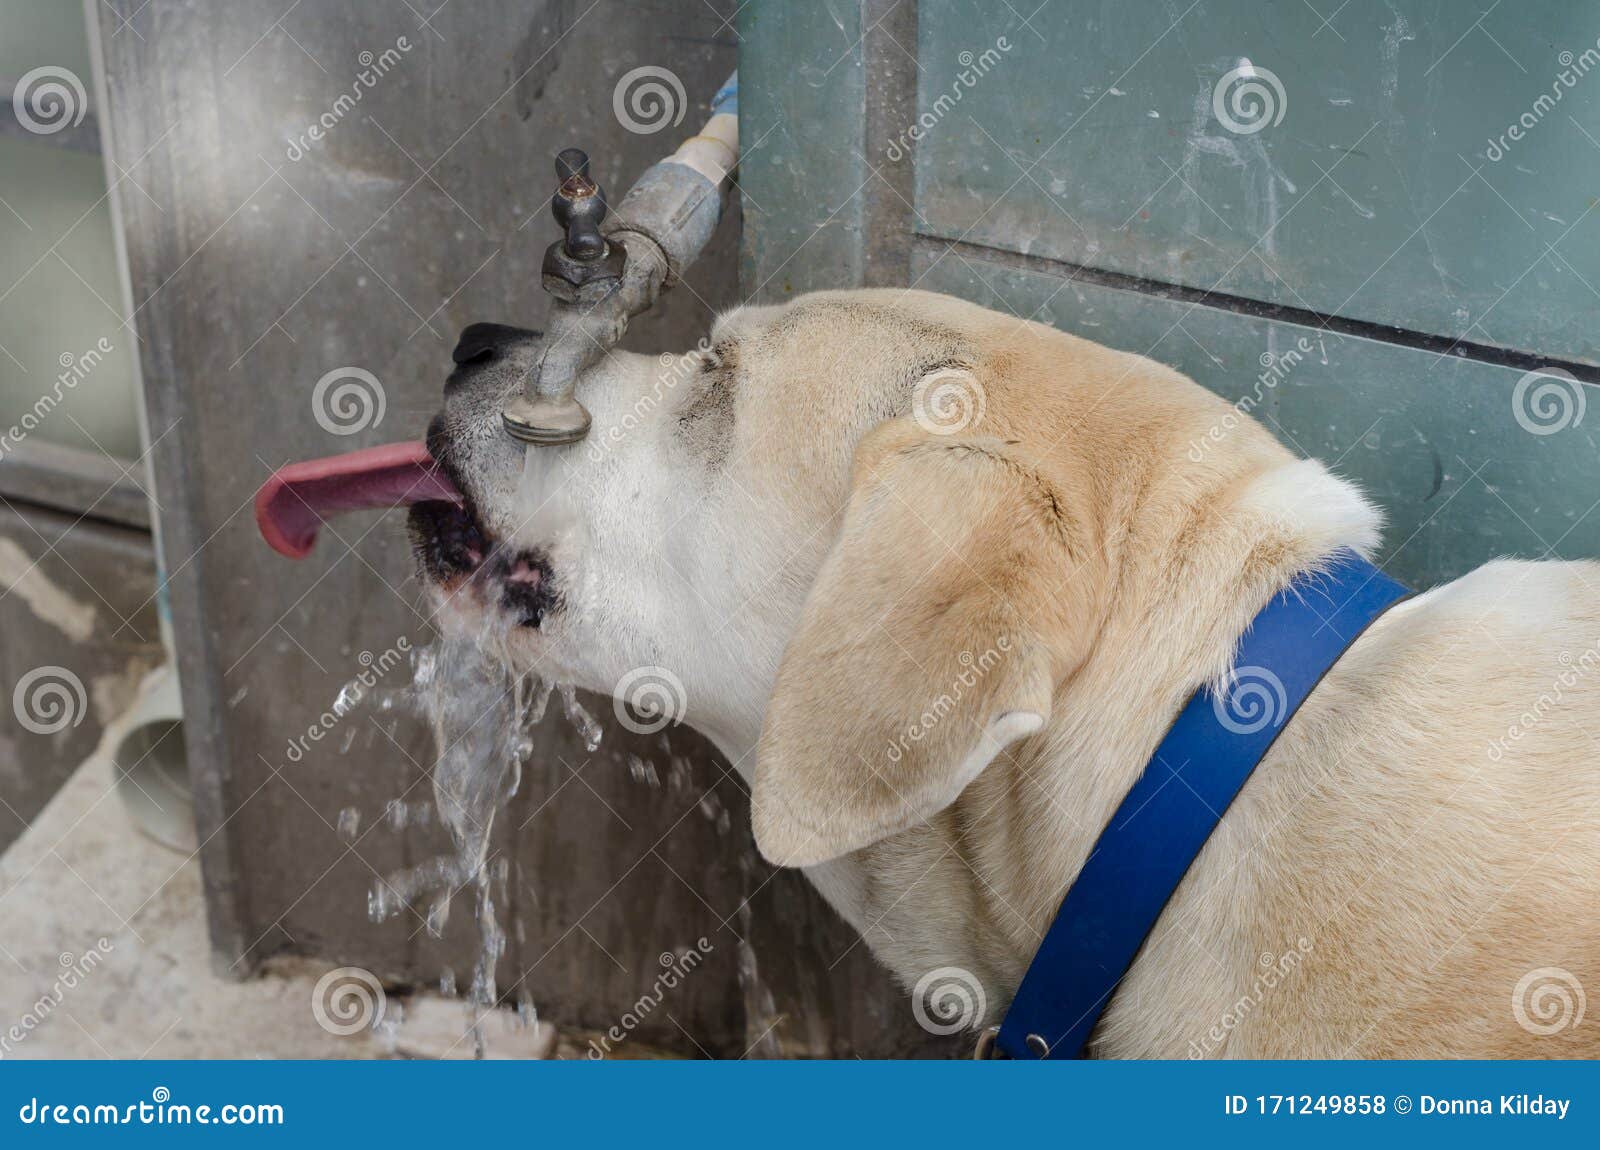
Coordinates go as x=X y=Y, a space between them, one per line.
x=819 y=538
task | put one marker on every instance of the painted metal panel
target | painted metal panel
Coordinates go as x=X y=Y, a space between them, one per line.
x=800 y=128
x=1466 y=465
x=1368 y=168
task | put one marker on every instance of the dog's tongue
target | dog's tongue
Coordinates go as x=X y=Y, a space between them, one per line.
x=295 y=501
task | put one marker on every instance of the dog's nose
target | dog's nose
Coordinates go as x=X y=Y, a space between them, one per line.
x=481 y=341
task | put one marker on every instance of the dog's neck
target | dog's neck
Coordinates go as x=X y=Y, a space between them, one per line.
x=1185 y=585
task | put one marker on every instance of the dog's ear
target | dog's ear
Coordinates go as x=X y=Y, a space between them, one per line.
x=934 y=637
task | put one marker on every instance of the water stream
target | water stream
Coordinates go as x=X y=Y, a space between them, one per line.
x=481 y=712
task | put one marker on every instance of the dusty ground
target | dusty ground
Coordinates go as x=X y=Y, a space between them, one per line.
x=92 y=965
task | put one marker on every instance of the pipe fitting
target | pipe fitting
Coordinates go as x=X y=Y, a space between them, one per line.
x=606 y=271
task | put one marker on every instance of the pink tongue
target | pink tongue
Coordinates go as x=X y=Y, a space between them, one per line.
x=298 y=497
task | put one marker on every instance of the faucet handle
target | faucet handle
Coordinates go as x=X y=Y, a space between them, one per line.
x=583 y=257
x=571 y=163
x=579 y=206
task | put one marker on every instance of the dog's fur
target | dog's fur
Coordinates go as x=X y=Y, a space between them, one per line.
x=942 y=659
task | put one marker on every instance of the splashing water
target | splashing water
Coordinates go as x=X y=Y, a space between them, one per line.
x=643 y=771
x=481 y=711
x=478 y=709
x=761 y=1018
x=582 y=719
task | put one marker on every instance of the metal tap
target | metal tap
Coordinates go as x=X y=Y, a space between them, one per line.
x=603 y=272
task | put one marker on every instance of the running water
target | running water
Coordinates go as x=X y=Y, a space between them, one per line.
x=481 y=712
x=481 y=709
x=553 y=522
x=761 y=1018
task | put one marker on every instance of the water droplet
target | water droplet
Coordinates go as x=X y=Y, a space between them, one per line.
x=643 y=772
x=422 y=666
x=580 y=718
x=349 y=695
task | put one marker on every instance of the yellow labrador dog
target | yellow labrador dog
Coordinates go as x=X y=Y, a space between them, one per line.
x=937 y=582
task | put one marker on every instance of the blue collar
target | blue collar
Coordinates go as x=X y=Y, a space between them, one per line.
x=1151 y=841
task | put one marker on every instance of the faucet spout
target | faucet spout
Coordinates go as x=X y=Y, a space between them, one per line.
x=606 y=271
x=578 y=333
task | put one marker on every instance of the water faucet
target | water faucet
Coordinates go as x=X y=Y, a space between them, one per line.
x=608 y=268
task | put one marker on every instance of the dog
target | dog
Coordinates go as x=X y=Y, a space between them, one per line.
x=936 y=581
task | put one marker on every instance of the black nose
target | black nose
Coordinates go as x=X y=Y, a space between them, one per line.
x=480 y=341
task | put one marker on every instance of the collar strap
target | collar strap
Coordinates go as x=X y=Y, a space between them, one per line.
x=1201 y=764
